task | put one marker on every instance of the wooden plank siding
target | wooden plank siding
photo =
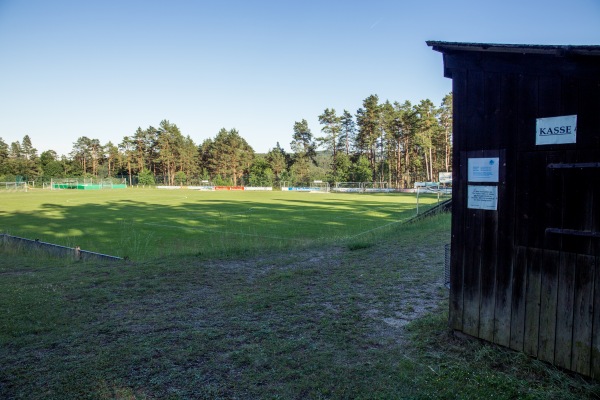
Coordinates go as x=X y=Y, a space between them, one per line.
x=471 y=273
x=488 y=266
x=533 y=301
x=595 y=352
x=459 y=169
x=583 y=314
x=548 y=306
x=527 y=275
x=563 y=309
x=473 y=221
x=503 y=118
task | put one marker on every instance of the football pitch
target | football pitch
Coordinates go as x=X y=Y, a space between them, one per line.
x=147 y=223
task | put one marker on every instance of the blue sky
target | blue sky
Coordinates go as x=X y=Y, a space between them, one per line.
x=102 y=69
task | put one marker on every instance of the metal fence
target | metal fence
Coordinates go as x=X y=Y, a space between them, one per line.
x=54 y=249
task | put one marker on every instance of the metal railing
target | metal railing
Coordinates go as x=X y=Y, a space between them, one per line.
x=57 y=250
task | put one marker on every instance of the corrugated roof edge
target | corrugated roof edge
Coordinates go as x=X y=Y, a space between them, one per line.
x=445 y=47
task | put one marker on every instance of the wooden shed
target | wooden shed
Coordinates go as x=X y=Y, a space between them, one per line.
x=525 y=255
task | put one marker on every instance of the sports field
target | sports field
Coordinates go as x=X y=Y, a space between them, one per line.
x=147 y=223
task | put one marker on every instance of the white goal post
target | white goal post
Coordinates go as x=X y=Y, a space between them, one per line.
x=314 y=186
x=13 y=186
x=348 y=187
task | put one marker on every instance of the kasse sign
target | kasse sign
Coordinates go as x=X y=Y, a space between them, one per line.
x=556 y=130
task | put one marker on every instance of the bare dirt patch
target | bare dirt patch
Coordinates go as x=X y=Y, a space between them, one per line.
x=389 y=285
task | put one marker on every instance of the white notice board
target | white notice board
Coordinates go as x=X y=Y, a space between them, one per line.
x=482 y=197
x=483 y=169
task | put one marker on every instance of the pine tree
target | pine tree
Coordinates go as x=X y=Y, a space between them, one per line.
x=4 y=157
x=347 y=131
x=278 y=161
x=169 y=145
x=111 y=155
x=126 y=148
x=427 y=130
x=28 y=152
x=369 y=130
x=331 y=128
x=304 y=149
x=445 y=118
x=230 y=156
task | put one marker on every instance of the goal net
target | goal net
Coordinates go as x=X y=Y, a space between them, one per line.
x=320 y=186
x=347 y=187
x=13 y=186
x=315 y=186
x=87 y=183
x=376 y=187
x=66 y=183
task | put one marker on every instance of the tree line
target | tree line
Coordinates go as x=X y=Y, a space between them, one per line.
x=392 y=143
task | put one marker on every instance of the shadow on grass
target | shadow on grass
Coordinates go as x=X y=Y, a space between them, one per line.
x=317 y=323
x=146 y=224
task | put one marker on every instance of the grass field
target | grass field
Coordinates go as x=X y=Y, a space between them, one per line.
x=340 y=321
x=147 y=223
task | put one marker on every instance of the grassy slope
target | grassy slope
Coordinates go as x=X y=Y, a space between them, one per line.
x=148 y=223
x=320 y=323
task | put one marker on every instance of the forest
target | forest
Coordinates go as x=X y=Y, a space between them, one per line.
x=392 y=143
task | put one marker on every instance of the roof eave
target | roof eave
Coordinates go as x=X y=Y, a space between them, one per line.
x=555 y=50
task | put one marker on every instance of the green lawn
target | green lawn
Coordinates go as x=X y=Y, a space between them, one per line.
x=148 y=223
x=361 y=320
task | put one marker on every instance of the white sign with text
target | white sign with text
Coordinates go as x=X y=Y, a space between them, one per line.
x=556 y=130
x=445 y=177
x=482 y=197
x=483 y=169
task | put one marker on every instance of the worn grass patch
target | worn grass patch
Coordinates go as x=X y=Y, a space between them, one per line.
x=324 y=322
x=359 y=245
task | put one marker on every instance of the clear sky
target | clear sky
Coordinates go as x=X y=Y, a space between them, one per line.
x=103 y=68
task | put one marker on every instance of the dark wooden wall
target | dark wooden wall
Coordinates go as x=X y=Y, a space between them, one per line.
x=527 y=276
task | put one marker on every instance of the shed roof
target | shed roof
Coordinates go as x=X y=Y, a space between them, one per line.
x=557 y=50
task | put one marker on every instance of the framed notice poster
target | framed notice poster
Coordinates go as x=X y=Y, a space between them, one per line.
x=482 y=197
x=484 y=169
